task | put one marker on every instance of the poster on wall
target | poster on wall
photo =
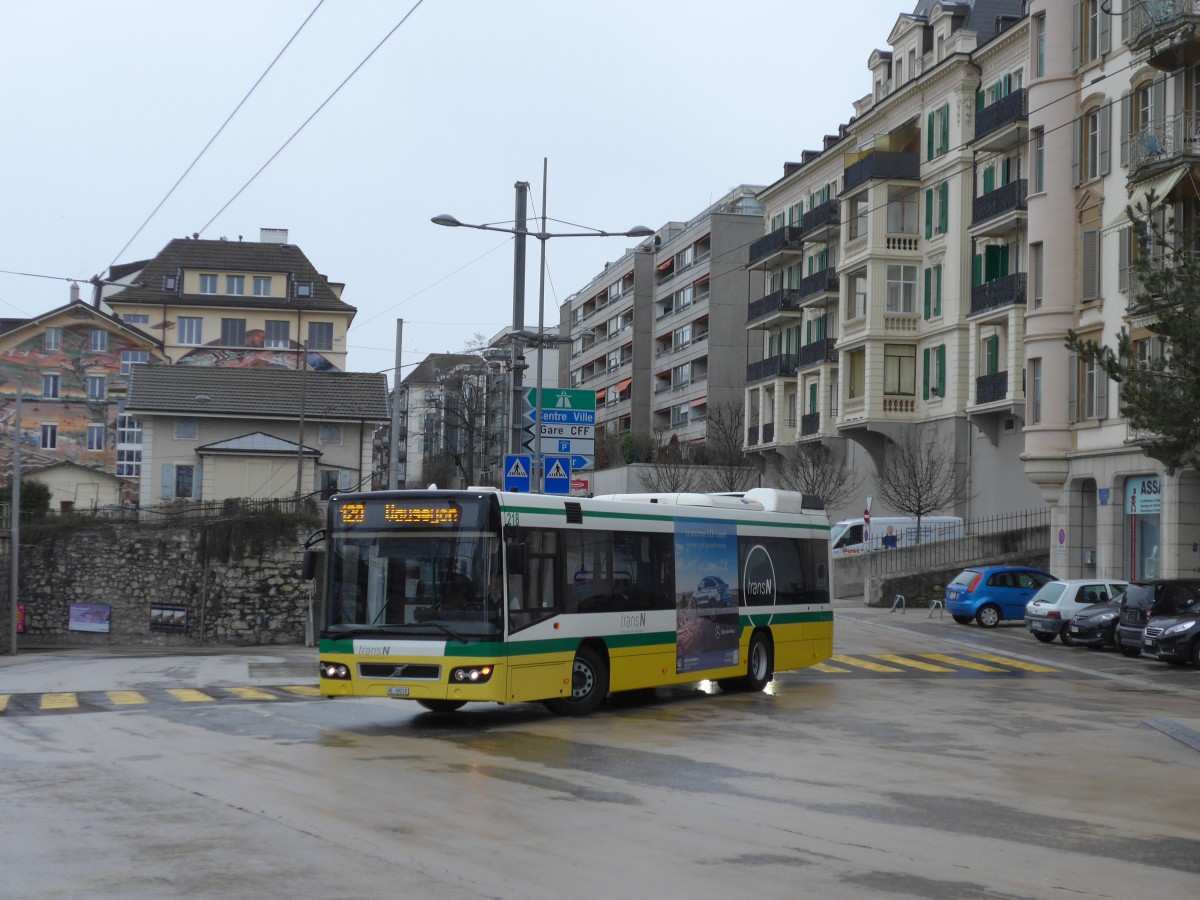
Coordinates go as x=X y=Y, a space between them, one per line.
x=168 y=618
x=706 y=595
x=20 y=618
x=90 y=617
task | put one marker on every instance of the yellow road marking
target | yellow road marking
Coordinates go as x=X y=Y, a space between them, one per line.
x=825 y=667
x=126 y=698
x=60 y=701
x=188 y=695
x=864 y=664
x=303 y=690
x=915 y=663
x=249 y=693
x=3 y=702
x=961 y=663
x=1015 y=663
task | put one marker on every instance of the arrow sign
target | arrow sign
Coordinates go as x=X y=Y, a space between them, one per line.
x=580 y=462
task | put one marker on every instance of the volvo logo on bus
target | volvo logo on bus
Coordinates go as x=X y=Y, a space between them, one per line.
x=758 y=579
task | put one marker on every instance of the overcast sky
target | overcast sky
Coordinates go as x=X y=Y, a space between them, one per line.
x=647 y=112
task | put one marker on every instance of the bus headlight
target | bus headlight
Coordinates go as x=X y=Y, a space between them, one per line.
x=471 y=674
x=339 y=671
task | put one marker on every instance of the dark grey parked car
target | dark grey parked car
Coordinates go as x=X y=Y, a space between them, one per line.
x=1144 y=600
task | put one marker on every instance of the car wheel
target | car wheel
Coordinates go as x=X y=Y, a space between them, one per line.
x=1044 y=636
x=1066 y=638
x=589 y=685
x=1129 y=651
x=442 y=706
x=988 y=616
x=962 y=620
x=760 y=667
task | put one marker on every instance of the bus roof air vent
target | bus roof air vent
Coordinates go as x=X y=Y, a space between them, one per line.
x=574 y=512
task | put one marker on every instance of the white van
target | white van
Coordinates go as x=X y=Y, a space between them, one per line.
x=846 y=536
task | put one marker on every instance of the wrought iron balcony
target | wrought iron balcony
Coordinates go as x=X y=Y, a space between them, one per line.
x=1166 y=140
x=751 y=435
x=810 y=423
x=881 y=164
x=1008 y=198
x=818 y=352
x=1005 y=111
x=1158 y=26
x=768 y=433
x=822 y=218
x=772 y=367
x=824 y=281
x=787 y=299
x=1006 y=291
x=779 y=240
x=990 y=388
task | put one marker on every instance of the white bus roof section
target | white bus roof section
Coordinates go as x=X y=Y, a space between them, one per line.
x=725 y=501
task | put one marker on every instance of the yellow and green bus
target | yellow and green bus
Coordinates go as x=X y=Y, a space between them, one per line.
x=451 y=597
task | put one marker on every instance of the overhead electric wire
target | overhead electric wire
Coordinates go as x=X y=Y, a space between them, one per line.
x=216 y=134
x=304 y=124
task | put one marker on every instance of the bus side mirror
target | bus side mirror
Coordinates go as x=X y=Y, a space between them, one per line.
x=514 y=559
x=308 y=568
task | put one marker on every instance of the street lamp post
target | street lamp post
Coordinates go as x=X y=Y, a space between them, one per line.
x=541 y=337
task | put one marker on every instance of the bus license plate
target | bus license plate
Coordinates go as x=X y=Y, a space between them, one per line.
x=397 y=692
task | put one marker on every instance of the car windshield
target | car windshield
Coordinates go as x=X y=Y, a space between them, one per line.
x=1050 y=591
x=1138 y=596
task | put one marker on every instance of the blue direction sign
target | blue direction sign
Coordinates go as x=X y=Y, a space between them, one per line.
x=564 y=416
x=558 y=474
x=579 y=462
x=516 y=472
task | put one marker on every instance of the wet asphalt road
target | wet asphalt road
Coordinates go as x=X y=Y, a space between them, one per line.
x=926 y=760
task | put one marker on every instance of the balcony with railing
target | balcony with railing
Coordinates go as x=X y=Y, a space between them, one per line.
x=991 y=388
x=823 y=282
x=810 y=423
x=782 y=365
x=751 y=435
x=999 y=293
x=996 y=125
x=818 y=352
x=768 y=433
x=1002 y=210
x=769 y=249
x=1165 y=28
x=883 y=164
x=1164 y=142
x=822 y=222
x=785 y=300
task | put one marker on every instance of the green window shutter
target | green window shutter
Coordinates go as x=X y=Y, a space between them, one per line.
x=928 y=292
x=821 y=327
x=941 y=370
x=992 y=353
x=989 y=180
x=925 y=382
x=1007 y=85
x=937 y=294
x=928 y=213
x=944 y=208
x=945 y=128
x=812 y=398
x=1002 y=261
x=978 y=101
x=991 y=263
x=929 y=136
x=808 y=332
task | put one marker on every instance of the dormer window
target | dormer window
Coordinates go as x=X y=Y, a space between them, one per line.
x=304 y=288
x=170 y=283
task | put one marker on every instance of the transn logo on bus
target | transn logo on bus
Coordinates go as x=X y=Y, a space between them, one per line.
x=385 y=650
x=633 y=621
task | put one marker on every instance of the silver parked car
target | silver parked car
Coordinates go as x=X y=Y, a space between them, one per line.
x=1056 y=603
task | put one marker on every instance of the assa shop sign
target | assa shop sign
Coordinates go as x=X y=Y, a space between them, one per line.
x=1143 y=496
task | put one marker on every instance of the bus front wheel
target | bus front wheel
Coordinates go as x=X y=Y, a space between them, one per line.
x=589 y=685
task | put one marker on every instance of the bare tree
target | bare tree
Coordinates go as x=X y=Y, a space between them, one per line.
x=819 y=468
x=920 y=475
x=669 y=470
x=725 y=466
x=460 y=413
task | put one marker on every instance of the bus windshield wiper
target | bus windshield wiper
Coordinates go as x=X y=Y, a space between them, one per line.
x=450 y=631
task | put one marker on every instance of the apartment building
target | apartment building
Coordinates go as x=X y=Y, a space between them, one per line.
x=1114 y=98
x=893 y=262
x=659 y=334
x=249 y=304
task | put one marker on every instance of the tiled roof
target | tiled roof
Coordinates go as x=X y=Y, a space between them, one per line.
x=263 y=393
x=250 y=257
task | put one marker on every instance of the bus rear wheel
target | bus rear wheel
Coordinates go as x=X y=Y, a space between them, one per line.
x=760 y=667
x=589 y=685
x=442 y=706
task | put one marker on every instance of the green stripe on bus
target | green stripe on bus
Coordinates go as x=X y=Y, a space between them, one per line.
x=649 y=517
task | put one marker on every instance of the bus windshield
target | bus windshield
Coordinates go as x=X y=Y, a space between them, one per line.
x=409 y=572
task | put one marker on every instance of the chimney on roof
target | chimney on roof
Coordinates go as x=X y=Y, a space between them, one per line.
x=273 y=235
x=74 y=292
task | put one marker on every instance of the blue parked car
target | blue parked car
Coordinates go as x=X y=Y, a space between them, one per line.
x=992 y=594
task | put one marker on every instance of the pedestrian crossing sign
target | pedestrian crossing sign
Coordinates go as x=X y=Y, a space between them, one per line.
x=517 y=469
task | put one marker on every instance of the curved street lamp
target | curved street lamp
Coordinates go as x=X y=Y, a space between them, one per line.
x=540 y=338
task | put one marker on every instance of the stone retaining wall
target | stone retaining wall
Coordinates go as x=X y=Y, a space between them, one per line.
x=138 y=571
